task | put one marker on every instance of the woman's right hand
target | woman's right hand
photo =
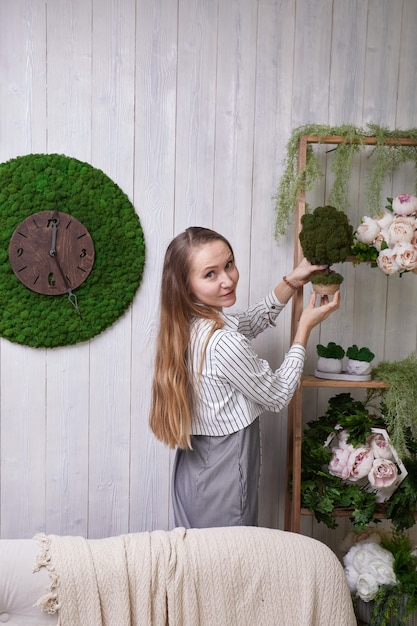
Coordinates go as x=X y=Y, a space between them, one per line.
x=315 y=313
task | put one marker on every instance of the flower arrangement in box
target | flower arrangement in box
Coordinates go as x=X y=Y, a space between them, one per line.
x=381 y=568
x=349 y=462
x=389 y=240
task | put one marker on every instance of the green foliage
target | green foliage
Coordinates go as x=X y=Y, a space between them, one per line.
x=365 y=253
x=385 y=159
x=360 y=354
x=331 y=351
x=326 y=236
x=400 y=400
x=392 y=605
x=36 y=182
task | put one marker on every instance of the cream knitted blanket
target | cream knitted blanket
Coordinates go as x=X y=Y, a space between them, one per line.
x=238 y=576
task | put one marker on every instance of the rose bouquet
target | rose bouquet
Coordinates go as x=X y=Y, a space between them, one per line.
x=382 y=569
x=348 y=462
x=374 y=464
x=389 y=241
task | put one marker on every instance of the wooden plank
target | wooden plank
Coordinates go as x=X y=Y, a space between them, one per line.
x=23 y=78
x=196 y=119
x=22 y=448
x=67 y=440
x=235 y=102
x=113 y=101
x=68 y=75
x=154 y=195
x=269 y=260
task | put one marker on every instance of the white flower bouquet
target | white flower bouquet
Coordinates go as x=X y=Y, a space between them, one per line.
x=382 y=569
x=389 y=241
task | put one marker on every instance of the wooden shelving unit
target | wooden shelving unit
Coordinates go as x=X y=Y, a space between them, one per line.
x=294 y=511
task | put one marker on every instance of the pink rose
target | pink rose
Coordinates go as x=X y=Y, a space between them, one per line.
x=383 y=473
x=404 y=204
x=401 y=230
x=379 y=446
x=338 y=465
x=405 y=255
x=387 y=263
x=360 y=462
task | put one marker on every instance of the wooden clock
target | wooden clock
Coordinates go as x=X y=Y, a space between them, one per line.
x=51 y=252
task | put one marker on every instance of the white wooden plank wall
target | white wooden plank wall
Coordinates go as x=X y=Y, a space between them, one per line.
x=187 y=105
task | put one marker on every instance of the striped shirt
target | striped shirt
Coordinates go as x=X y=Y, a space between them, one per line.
x=235 y=385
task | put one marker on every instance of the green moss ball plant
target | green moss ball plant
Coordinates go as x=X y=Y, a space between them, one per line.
x=326 y=237
x=39 y=182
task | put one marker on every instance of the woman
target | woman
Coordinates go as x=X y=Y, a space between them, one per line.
x=210 y=387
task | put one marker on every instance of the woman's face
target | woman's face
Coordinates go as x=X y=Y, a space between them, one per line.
x=213 y=275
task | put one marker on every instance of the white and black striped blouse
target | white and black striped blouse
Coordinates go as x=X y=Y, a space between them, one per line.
x=235 y=385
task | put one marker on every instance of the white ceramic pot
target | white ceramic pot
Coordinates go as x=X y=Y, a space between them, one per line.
x=331 y=366
x=358 y=367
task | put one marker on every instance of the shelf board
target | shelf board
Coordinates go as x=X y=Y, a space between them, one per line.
x=313 y=381
x=379 y=513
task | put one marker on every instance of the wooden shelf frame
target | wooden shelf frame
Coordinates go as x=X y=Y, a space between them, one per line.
x=293 y=510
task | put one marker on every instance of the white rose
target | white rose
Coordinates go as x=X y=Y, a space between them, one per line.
x=401 y=230
x=384 y=220
x=367 y=587
x=381 y=567
x=367 y=231
x=351 y=575
x=387 y=263
x=405 y=255
x=404 y=204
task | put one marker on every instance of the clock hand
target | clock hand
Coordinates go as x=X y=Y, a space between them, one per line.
x=71 y=296
x=55 y=222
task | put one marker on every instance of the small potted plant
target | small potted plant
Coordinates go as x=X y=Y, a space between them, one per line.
x=359 y=360
x=330 y=358
x=326 y=237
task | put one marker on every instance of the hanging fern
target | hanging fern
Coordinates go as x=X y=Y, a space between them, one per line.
x=400 y=400
x=386 y=160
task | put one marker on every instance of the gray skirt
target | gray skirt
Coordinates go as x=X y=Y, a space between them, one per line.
x=216 y=483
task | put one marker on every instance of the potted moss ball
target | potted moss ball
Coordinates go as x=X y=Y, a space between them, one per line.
x=326 y=238
x=330 y=358
x=359 y=360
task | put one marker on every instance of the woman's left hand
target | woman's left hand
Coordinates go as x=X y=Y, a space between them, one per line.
x=302 y=273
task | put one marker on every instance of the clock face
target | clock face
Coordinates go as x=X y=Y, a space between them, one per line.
x=51 y=252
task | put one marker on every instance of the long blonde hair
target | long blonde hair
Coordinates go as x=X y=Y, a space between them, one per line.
x=173 y=393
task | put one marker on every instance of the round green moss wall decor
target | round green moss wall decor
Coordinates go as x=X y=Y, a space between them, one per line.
x=38 y=183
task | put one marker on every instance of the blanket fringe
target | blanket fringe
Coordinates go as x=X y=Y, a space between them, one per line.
x=49 y=602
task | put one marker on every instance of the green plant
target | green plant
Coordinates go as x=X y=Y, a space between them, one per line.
x=384 y=160
x=360 y=354
x=392 y=605
x=326 y=237
x=331 y=351
x=400 y=401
